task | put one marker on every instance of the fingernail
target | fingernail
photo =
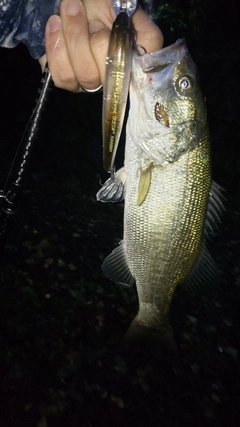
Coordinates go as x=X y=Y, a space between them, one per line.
x=95 y=26
x=72 y=7
x=53 y=24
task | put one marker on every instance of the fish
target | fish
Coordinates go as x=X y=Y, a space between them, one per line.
x=171 y=204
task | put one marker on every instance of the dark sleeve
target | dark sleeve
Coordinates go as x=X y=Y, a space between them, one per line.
x=24 y=21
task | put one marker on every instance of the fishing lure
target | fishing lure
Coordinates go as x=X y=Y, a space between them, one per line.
x=118 y=72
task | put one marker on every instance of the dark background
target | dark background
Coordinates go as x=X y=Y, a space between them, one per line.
x=61 y=321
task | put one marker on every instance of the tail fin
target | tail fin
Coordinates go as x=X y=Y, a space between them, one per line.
x=157 y=341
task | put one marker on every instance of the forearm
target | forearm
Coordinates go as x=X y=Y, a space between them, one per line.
x=25 y=21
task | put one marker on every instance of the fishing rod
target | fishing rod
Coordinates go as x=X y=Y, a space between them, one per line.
x=10 y=195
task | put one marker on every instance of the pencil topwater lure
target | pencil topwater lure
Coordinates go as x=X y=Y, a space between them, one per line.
x=118 y=72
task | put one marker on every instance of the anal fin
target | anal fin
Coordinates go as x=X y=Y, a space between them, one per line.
x=115 y=267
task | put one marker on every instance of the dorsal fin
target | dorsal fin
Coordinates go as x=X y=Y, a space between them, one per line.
x=204 y=271
x=215 y=209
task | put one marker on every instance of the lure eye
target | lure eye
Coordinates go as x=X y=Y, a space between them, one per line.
x=185 y=83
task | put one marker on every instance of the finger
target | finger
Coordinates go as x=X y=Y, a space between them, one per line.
x=57 y=56
x=102 y=11
x=148 y=34
x=99 y=39
x=76 y=35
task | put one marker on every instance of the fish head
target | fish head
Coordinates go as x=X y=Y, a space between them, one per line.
x=167 y=106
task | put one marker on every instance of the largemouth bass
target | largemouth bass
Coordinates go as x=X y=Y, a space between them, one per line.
x=171 y=203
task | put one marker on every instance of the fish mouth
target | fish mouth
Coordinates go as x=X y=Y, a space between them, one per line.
x=161 y=59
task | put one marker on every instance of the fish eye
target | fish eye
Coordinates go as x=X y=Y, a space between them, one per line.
x=185 y=83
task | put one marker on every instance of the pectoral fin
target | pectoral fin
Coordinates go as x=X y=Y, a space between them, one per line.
x=116 y=268
x=144 y=184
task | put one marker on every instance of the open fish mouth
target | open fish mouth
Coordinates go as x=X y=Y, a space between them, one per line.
x=161 y=59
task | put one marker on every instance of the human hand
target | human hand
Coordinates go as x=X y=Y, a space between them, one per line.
x=77 y=41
